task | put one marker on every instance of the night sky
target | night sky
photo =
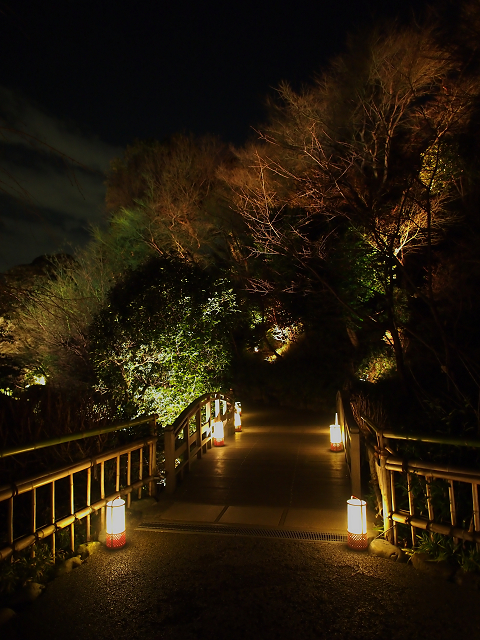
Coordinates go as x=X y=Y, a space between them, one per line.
x=89 y=77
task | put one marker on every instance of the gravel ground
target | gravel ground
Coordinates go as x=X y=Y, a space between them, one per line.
x=189 y=586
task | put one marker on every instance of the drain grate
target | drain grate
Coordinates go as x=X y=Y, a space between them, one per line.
x=215 y=529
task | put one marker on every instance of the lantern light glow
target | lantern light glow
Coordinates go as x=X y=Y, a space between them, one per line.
x=218 y=433
x=115 y=523
x=357 y=523
x=238 y=416
x=336 y=443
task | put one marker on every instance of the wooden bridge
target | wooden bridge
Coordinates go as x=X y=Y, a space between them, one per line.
x=277 y=473
x=271 y=489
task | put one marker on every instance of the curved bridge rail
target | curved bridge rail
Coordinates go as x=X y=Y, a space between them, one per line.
x=351 y=441
x=190 y=435
x=80 y=480
x=422 y=478
x=120 y=471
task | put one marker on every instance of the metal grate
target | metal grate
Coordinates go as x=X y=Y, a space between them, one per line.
x=215 y=529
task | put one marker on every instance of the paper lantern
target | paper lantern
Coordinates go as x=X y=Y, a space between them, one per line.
x=336 y=443
x=218 y=434
x=238 y=416
x=357 y=523
x=115 y=523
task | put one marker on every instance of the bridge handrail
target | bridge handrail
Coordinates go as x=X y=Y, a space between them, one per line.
x=184 y=442
x=351 y=441
x=78 y=435
x=388 y=464
x=124 y=469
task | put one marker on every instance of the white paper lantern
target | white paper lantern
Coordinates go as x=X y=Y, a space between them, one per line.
x=218 y=434
x=115 y=523
x=336 y=443
x=357 y=523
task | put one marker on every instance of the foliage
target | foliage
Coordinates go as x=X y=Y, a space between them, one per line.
x=25 y=568
x=164 y=338
x=440 y=547
x=42 y=412
x=170 y=192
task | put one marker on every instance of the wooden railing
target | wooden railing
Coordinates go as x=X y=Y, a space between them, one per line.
x=191 y=434
x=186 y=439
x=394 y=471
x=78 y=475
x=351 y=441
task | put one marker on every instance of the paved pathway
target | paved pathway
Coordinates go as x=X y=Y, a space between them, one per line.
x=278 y=472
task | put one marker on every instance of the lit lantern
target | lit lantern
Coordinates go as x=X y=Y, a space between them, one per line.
x=115 y=523
x=357 y=523
x=336 y=443
x=238 y=416
x=218 y=433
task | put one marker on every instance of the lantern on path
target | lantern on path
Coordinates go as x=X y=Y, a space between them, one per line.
x=336 y=443
x=357 y=523
x=218 y=433
x=115 y=523
x=238 y=416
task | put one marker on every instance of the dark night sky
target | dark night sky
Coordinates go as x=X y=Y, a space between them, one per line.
x=88 y=77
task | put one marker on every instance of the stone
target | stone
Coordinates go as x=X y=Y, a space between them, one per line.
x=6 y=614
x=384 y=549
x=28 y=593
x=67 y=566
x=88 y=548
x=437 y=568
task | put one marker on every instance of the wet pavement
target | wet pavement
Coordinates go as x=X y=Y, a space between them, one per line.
x=278 y=472
x=184 y=584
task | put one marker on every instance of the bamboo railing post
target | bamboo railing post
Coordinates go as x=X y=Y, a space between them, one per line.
x=411 y=506
x=152 y=468
x=140 y=471
x=186 y=439
x=431 y=515
x=52 y=506
x=72 y=511
x=129 y=477
x=355 y=473
x=89 y=502
x=10 y=522
x=476 y=512
x=34 y=516
x=117 y=475
x=102 y=494
x=198 y=431
x=385 y=488
x=208 y=419
x=394 y=506
x=170 y=479
x=453 y=507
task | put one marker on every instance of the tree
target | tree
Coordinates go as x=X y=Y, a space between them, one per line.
x=164 y=337
x=169 y=194
x=369 y=149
